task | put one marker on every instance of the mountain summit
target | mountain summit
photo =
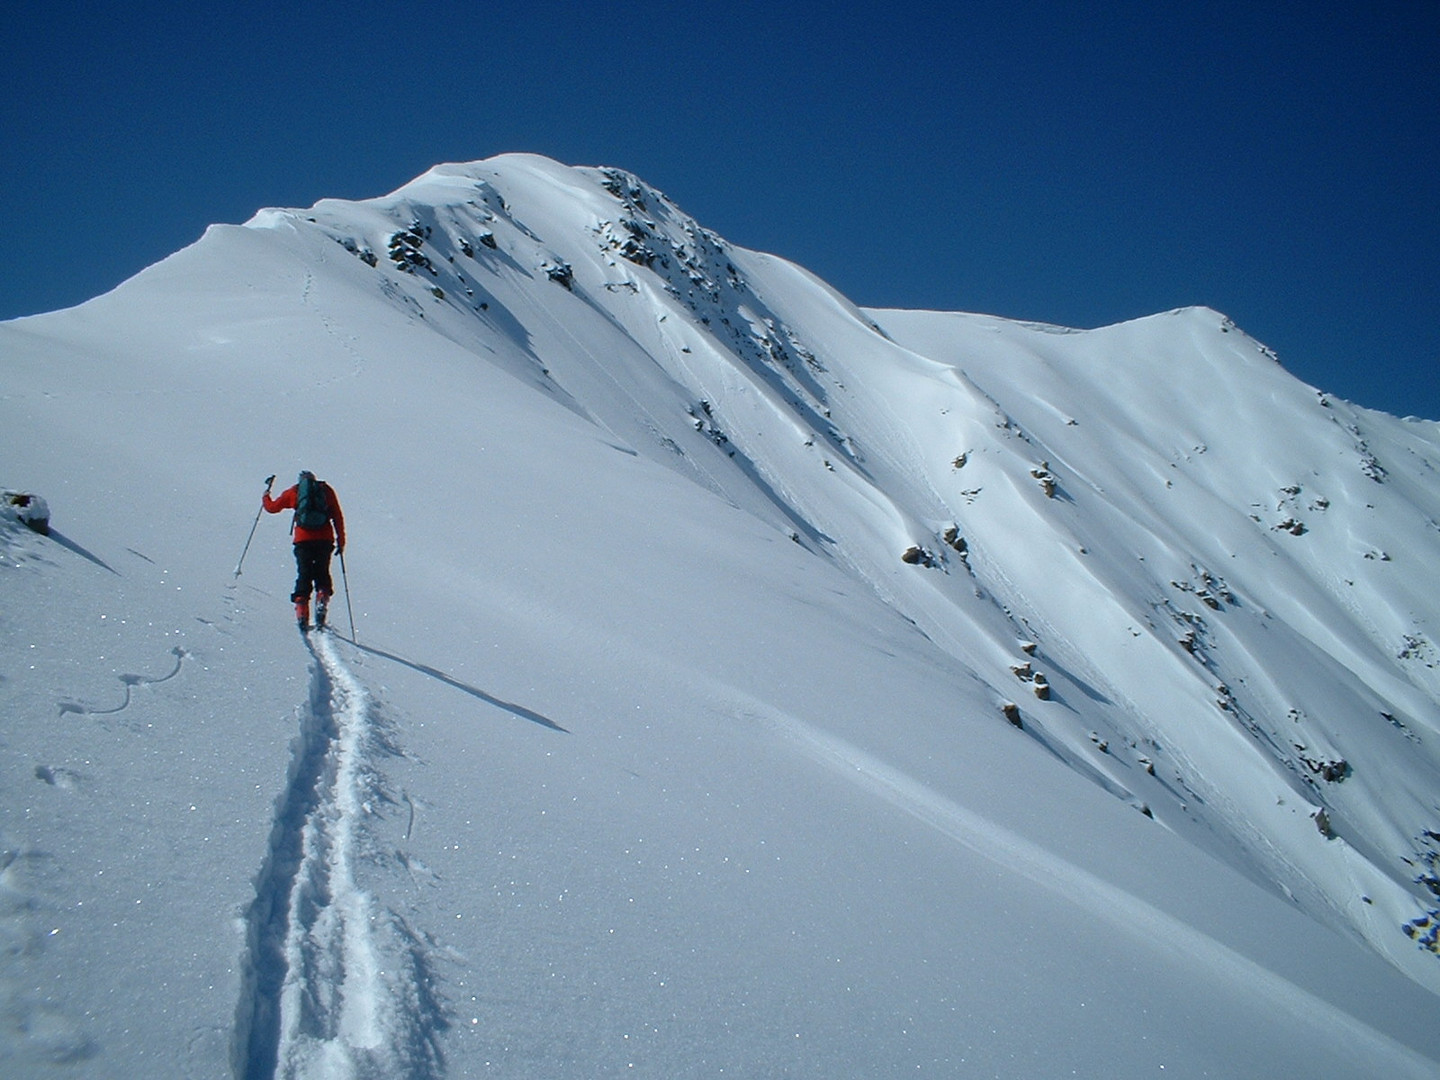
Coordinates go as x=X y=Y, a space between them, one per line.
x=740 y=680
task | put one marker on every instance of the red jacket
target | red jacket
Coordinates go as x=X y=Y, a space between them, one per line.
x=287 y=501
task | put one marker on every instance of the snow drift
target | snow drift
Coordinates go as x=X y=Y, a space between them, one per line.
x=740 y=681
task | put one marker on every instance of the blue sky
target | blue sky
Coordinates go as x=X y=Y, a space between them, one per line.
x=1076 y=163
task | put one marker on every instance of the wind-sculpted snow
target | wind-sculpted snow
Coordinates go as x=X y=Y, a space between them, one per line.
x=336 y=986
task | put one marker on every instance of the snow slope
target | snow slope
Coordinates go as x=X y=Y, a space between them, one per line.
x=741 y=682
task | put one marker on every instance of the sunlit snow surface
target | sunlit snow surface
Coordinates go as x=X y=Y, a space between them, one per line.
x=740 y=682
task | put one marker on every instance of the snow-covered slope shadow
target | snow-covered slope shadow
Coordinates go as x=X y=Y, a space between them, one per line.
x=1354 y=1043
x=335 y=984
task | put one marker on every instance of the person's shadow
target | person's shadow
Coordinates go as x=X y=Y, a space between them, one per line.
x=474 y=691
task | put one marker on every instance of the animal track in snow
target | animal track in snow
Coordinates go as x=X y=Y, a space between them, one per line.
x=129 y=682
x=58 y=776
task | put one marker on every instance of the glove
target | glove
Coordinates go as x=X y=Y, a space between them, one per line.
x=339 y=549
x=269 y=481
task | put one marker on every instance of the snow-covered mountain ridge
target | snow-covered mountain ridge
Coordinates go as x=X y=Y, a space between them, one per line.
x=972 y=624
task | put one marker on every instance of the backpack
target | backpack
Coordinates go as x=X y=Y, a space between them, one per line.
x=312 y=503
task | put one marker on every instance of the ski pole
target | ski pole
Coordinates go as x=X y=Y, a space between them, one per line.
x=269 y=481
x=345 y=580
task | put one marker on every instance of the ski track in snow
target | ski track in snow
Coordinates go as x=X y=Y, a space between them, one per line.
x=337 y=987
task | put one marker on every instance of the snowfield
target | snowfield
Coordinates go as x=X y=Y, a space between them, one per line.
x=740 y=682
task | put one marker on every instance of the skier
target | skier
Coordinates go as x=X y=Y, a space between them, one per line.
x=316 y=508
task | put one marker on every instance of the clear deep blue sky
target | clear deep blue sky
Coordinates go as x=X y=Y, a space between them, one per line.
x=1075 y=163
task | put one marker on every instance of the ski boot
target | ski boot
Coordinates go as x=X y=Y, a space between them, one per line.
x=322 y=605
x=302 y=613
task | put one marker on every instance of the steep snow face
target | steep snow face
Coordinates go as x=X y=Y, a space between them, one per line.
x=741 y=679
x=1233 y=562
x=1213 y=567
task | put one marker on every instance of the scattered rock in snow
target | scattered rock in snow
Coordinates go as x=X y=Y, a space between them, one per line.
x=27 y=508
x=405 y=250
x=703 y=417
x=1037 y=680
x=1210 y=590
x=1011 y=712
x=364 y=254
x=1425 y=931
x=561 y=273
x=916 y=555
x=1333 y=770
x=954 y=540
x=1369 y=463
x=1418 y=648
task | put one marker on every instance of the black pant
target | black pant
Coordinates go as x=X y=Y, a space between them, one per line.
x=312 y=565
